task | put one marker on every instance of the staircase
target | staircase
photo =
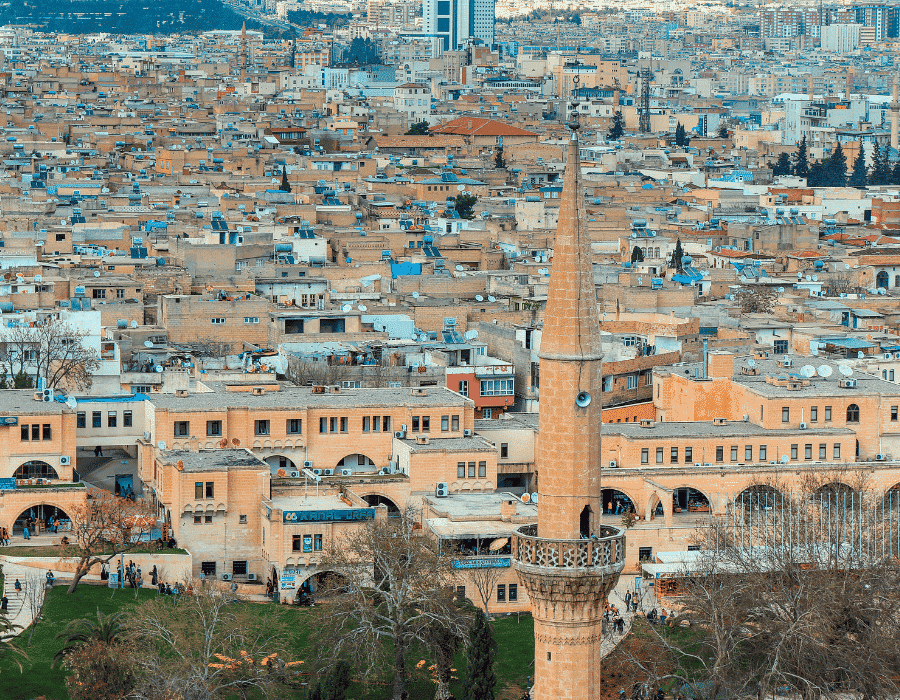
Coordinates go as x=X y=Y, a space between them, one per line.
x=16 y=599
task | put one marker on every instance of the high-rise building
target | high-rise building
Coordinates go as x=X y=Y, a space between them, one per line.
x=883 y=19
x=457 y=22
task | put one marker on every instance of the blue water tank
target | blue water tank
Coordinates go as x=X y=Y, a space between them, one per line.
x=284 y=248
x=160 y=262
x=686 y=260
x=819 y=265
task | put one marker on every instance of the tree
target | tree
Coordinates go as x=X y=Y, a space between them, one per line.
x=104 y=526
x=285 y=185
x=723 y=130
x=681 y=137
x=207 y=644
x=480 y=678
x=390 y=585
x=782 y=165
x=35 y=585
x=99 y=670
x=445 y=644
x=756 y=300
x=8 y=648
x=895 y=174
x=105 y=629
x=485 y=579
x=617 y=129
x=881 y=168
x=335 y=684
x=363 y=52
x=418 y=129
x=859 y=176
x=464 y=205
x=499 y=160
x=677 y=255
x=801 y=159
x=51 y=349
x=817 y=175
x=637 y=255
x=836 y=168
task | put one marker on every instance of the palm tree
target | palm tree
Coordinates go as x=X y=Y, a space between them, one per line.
x=7 y=631
x=106 y=629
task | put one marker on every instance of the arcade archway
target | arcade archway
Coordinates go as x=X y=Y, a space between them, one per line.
x=36 y=469
x=319 y=586
x=616 y=502
x=280 y=463
x=687 y=499
x=376 y=499
x=759 y=497
x=41 y=518
x=356 y=463
x=836 y=495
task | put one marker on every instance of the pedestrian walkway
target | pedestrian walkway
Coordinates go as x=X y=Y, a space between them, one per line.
x=611 y=638
x=19 y=612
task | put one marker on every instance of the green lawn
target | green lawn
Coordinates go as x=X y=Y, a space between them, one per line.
x=515 y=641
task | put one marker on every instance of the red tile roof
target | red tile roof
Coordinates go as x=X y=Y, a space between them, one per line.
x=480 y=127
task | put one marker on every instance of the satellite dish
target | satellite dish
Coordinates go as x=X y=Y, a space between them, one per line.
x=534 y=497
x=492 y=299
x=478 y=297
x=882 y=291
x=62 y=222
x=799 y=275
x=824 y=371
x=751 y=362
x=460 y=268
x=860 y=355
x=460 y=188
x=158 y=369
x=415 y=295
x=346 y=307
x=38 y=278
x=846 y=266
x=526 y=498
x=470 y=335
x=362 y=307
x=815 y=278
x=134 y=324
x=808 y=371
x=96 y=273
x=583 y=399
x=161 y=444
x=809 y=278
x=846 y=370
x=71 y=402
x=148 y=344
x=784 y=459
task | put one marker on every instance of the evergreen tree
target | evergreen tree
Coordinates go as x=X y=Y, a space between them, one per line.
x=801 y=160
x=859 y=176
x=816 y=176
x=418 y=129
x=677 y=255
x=782 y=165
x=723 y=130
x=881 y=168
x=337 y=682
x=636 y=255
x=681 y=138
x=480 y=678
x=499 y=160
x=618 y=127
x=895 y=175
x=836 y=168
x=285 y=185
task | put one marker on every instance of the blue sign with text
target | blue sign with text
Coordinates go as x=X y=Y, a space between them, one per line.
x=482 y=563
x=7 y=484
x=321 y=516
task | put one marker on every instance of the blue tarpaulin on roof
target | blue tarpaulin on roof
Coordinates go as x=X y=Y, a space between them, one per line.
x=405 y=269
x=851 y=343
x=683 y=279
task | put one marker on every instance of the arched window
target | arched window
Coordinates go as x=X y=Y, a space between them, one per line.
x=35 y=469
x=897 y=280
x=881 y=279
x=853 y=413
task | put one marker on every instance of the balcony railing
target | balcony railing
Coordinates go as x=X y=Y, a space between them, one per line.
x=605 y=551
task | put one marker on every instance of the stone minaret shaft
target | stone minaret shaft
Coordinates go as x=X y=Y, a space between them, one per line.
x=568 y=446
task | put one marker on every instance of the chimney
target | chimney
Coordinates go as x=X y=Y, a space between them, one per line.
x=508 y=509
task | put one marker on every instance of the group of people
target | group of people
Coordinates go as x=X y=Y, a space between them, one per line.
x=641 y=691
x=654 y=617
x=631 y=601
x=611 y=614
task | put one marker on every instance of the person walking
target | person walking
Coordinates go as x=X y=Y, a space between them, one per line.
x=50 y=579
x=18 y=586
x=154 y=576
x=628 y=600
x=26 y=533
x=139 y=582
x=4 y=604
x=98 y=451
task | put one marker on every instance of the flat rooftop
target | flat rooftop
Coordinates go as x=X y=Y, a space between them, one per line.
x=213 y=460
x=311 y=502
x=463 y=444
x=711 y=430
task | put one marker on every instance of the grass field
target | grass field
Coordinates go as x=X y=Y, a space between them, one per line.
x=515 y=642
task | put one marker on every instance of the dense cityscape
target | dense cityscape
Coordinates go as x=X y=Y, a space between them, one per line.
x=592 y=388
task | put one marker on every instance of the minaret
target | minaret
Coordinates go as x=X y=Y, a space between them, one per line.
x=569 y=562
x=244 y=51
x=895 y=116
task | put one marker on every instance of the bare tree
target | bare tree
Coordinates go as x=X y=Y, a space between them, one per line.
x=104 y=526
x=841 y=282
x=50 y=348
x=756 y=300
x=308 y=373
x=392 y=585
x=485 y=580
x=206 y=643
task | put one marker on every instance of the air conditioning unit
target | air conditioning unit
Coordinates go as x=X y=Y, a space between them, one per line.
x=65 y=460
x=441 y=490
x=803 y=426
x=252 y=577
x=307 y=465
x=613 y=464
x=47 y=395
x=847 y=383
x=328 y=472
x=400 y=434
x=294 y=474
x=698 y=464
x=317 y=472
x=467 y=432
x=888 y=356
x=880 y=458
x=226 y=577
x=346 y=472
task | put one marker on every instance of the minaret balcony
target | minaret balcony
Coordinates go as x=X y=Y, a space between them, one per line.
x=605 y=552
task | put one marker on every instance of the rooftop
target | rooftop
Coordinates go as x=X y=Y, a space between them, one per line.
x=212 y=460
